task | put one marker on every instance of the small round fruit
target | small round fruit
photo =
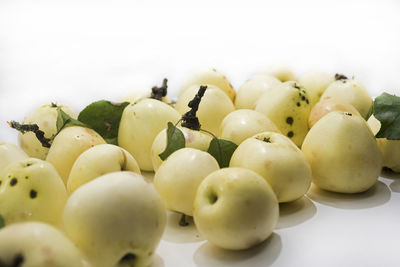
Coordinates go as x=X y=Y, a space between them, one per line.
x=116 y=220
x=211 y=77
x=193 y=139
x=343 y=153
x=276 y=158
x=349 y=91
x=37 y=244
x=316 y=83
x=97 y=161
x=282 y=73
x=140 y=124
x=179 y=176
x=244 y=123
x=235 y=208
x=390 y=148
x=31 y=190
x=249 y=93
x=45 y=117
x=10 y=153
x=288 y=107
x=213 y=108
x=325 y=106
x=69 y=143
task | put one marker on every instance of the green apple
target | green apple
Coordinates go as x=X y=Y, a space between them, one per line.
x=97 y=161
x=288 y=107
x=244 y=123
x=235 y=208
x=140 y=124
x=316 y=83
x=343 y=153
x=390 y=149
x=349 y=91
x=323 y=107
x=193 y=139
x=249 y=93
x=179 y=176
x=116 y=220
x=69 y=143
x=213 y=108
x=35 y=244
x=10 y=153
x=31 y=190
x=276 y=158
x=209 y=77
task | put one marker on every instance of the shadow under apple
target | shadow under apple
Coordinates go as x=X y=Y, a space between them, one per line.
x=295 y=212
x=377 y=195
x=264 y=254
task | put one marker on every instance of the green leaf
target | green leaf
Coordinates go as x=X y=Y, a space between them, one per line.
x=104 y=116
x=387 y=110
x=175 y=141
x=64 y=120
x=222 y=151
x=2 y=223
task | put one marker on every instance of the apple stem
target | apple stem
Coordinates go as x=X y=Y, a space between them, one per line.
x=159 y=92
x=339 y=77
x=23 y=128
x=182 y=221
x=190 y=119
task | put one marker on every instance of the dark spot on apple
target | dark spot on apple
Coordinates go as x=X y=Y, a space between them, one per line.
x=18 y=261
x=128 y=259
x=303 y=98
x=348 y=114
x=290 y=134
x=308 y=102
x=289 y=120
x=33 y=193
x=298 y=104
x=26 y=177
x=13 y=181
x=212 y=197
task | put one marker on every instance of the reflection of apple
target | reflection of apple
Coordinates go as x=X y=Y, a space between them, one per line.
x=116 y=219
x=97 y=161
x=140 y=124
x=235 y=208
x=179 y=176
x=10 y=153
x=244 y=123
x=69 y=143
x=278 y=160
x=37 y=244
x=343 y=153
x=390 y=148
x=45 y=117
x=211 y=77
x=194 y=139
x=31 y=190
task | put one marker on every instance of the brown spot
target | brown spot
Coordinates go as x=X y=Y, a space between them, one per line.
x=267 y=163
x=13 y=181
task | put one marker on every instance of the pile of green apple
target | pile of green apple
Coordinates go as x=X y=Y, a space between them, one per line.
x=72 y=193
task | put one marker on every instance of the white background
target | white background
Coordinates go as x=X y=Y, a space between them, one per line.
x=76 y=52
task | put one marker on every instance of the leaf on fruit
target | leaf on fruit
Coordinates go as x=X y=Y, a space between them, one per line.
x=175 y=141
x=386 y=109
x=222 y=151
x=104 y=117
x=2 y=223
x=64 y=120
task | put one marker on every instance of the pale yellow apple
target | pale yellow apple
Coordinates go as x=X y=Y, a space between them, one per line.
x=179 y=176
x=140 y=124
x=45 y=117
x=316 y=83
x=35 y=244
x=193 y=139
x=69 y=143
x=31 y=190
x=343 y=153
x=213 y=108
x=244 y=123
x=97 y=161
x=10 y=153
x=276 y=158
x=235 y=208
